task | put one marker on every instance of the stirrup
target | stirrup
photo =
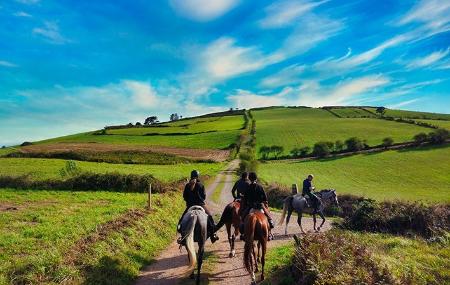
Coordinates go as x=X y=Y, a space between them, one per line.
x=271 y=237
x=181 y=241
x=214 y=238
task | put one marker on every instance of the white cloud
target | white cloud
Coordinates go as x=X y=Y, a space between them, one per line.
x=50 y=31
x=432 y=13
x=247 y=99
x=283 y=13
x=143 y=94
x=286 y=76
x=403 y=103
x=7 y=63
x=428 y=60
x=22 y=14
x=203 y=10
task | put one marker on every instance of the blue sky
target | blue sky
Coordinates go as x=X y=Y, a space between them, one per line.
x=68 y=66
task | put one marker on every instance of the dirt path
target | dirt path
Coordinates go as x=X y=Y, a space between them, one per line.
x=170 y=267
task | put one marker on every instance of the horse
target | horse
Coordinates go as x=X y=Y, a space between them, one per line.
x=194 y=229
x=256 y=227
x=230 y=217
x=298 y=203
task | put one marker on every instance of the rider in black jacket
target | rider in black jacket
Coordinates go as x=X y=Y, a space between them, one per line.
x=194 y=195
x=240 y=186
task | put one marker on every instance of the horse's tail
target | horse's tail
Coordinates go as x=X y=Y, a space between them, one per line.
x=248 y=247
x=287 y=203
x=190 y=241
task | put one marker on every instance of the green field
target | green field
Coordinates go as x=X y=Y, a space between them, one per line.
x=439 y=123
x=294 y=128
x=199 y=133
x=352 y=112
x=38 y=239
x=412 y=114
x=198 y=125
x=417 y=174
x=41 y=169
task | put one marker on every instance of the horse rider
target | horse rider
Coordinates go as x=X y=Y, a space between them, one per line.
x=194 y=195
x=240 y=187
x=256 y=198
x=308 y=191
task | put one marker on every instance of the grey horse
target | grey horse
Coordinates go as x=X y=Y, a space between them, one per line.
x=194 y=229
x=299 y=204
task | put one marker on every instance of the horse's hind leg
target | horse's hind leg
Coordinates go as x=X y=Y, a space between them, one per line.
x=228 y=226
x=256 y=261
x=314 y=221
x=201 y=250
x=287 y=220
x=263 y=258
x=233 y=240
x=259 y=247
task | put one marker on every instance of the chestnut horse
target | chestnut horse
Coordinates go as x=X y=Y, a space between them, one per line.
x=256 y=229
x=230 y=217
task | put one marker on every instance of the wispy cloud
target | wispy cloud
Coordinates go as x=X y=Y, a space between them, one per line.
x=284 y=13
x=432 y=13
x=403 y=103
x=50 y=32
x=22 y=14
x=7 y=63
x=429 y=60
x=286 y=76
x=203 y=10
x=247 y=99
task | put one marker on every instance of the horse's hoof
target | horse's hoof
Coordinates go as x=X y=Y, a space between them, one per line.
x=230 y=255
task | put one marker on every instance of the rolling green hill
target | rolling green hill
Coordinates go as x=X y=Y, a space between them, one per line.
x=418 y=174
x=299 y=127
x=439 y=123
x=351 y=112
x=413 y=114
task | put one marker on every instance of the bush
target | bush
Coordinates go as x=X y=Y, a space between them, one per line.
x=398 y=217
x=439 y=136
x=276 y=194
x=387 y=142
x=339 y=146
x=354 y=144
x=26 y=143
x=322 y=149
x=420 y=138
x=301 y=152
x=336 y=257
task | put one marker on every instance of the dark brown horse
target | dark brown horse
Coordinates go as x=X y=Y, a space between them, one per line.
x=231 y=218
x=256 y=228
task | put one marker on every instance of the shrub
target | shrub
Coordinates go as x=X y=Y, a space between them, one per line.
x=322 y=149
x=71 y=169
x=387 y=142
x=276 y=194
x=354 y=144
x=300 y=152
x=339 y=146
x=26 y=143
x=439 y=136
x=336 y=257
x=420 y=138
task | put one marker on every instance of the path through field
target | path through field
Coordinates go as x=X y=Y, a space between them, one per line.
x=170 y=267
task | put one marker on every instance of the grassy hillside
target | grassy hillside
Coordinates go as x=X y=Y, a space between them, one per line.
x=293 y=128
x=418 y=174
x=201 y=133
x=40 y=168
x=352 y=112
x=413 y=114
x=52 y=237
x=439 y=123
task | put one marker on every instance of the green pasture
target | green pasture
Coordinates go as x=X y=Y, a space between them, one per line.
x=40 y=168
x=299 y=127
x=421 y=174
x=439 y=123
x=197 y=125
x=412 y=114
x=352 y=112
x=213 y=140
x=39 y=232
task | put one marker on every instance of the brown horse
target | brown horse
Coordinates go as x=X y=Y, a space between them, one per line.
x=230 y=217
x=256 y=229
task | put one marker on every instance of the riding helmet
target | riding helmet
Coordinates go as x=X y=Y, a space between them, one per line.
x=195 y=174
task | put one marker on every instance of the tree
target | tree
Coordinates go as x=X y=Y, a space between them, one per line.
x=300 y=152
x=387 y=142
x=420 y=138
x=439 y=136
x=322 y=149
x=174 y=117
x=381 y=110
x=138 y=124
x=354 y=144
x=338 y=146
x=150 y=120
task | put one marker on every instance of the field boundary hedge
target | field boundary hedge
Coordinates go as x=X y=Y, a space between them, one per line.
x=89 y=181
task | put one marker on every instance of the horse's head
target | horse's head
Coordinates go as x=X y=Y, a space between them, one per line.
x=330 y=196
